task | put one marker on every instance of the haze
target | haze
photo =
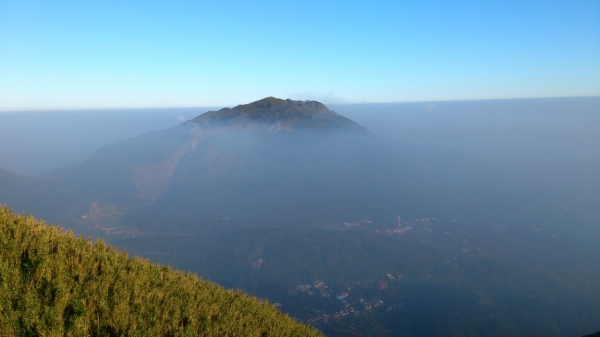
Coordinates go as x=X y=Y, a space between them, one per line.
x=370 y=169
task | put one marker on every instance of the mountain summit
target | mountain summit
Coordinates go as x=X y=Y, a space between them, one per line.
x=278 y=115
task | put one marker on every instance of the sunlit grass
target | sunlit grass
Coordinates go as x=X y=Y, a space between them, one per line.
x=55 y=284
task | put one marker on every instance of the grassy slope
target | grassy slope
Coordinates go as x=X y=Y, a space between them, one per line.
x=54 y=284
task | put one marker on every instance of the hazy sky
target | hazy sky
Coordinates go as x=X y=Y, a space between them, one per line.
x=98 y=54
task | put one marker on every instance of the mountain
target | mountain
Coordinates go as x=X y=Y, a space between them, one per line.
x=270 y=163
x=276 y=115
x=55 y=284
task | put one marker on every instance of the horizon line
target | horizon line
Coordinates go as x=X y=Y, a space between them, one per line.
x=31 y=109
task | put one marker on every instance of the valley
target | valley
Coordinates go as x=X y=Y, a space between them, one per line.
x=351 y=232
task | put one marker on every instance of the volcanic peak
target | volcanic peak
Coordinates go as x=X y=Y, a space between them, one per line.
x=279 y=115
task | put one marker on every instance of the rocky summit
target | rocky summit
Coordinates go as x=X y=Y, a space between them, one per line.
x=278 y=115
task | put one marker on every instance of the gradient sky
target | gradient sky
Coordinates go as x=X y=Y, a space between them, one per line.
x=103 y=54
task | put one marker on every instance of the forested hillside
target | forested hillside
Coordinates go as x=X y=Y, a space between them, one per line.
x=54 y=284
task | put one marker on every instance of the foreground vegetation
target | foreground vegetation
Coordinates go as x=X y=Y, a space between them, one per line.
x=54 y=284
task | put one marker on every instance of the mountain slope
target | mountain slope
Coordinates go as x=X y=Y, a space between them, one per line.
x=55 y=284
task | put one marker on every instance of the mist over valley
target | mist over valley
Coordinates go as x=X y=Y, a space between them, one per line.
x=406 y=219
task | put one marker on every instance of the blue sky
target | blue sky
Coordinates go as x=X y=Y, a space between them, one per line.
x=103 y=54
